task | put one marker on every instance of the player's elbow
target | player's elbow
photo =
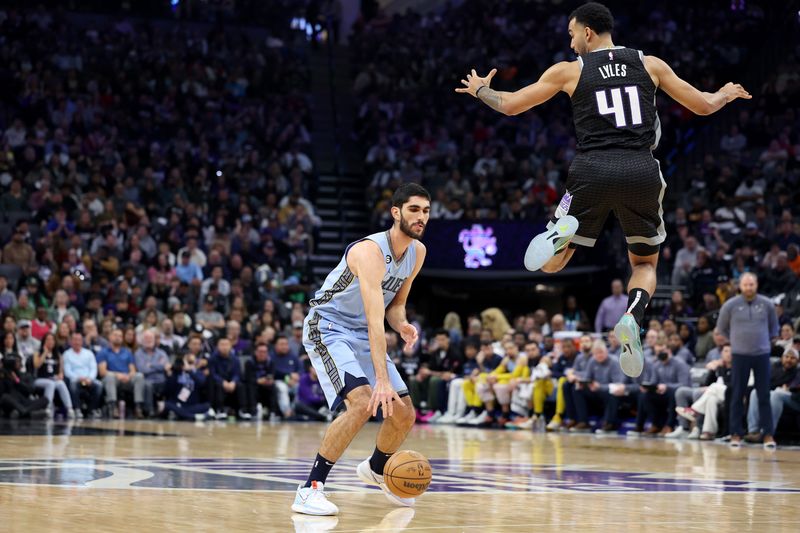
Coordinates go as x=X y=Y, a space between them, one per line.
x=704 y=108
x=509 y=106
x=510 y=109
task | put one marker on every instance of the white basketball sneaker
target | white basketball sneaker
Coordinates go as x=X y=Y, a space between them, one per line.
x=631 y=358
x=482 y=418
x=447 y=418
x=546 y=245
x=365 y=474
x=312 y=500
x=466 y=418
x=678 y=433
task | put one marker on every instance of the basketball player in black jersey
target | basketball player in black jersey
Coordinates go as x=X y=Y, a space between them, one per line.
x=612 y=89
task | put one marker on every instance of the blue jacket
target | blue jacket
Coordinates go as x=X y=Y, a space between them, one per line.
x=225 y=368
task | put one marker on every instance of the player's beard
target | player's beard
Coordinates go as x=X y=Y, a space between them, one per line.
x=408 y=229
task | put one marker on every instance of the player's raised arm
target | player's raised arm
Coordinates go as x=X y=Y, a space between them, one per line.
x=365 y=260
x=554 y=80
x=396 y=311
x=696 y=101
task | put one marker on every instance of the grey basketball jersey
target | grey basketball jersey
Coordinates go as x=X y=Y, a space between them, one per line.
x=339 y=299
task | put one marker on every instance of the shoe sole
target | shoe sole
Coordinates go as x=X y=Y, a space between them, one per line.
x=543 y=247
x=631 y=363
x=300 y=509
x=368 y=479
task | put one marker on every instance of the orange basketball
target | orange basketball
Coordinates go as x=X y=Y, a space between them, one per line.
x=407 y=474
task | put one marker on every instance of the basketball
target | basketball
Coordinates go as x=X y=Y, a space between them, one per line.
x=407 y=474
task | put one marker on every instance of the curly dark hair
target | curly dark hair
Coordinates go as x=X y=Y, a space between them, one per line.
x=595 y=16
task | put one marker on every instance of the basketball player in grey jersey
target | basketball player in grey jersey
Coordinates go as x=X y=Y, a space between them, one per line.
x=345 y=340
x=612 y=89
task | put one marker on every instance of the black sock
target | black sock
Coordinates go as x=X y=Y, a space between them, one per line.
x=378 y=460
x=637 y=302
x=320 y=470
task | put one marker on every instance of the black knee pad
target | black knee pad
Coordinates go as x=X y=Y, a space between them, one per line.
x=642 y=249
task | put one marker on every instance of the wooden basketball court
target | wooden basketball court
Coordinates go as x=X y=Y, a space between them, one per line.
x=166 y=476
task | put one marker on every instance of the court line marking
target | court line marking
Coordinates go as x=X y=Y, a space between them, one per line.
x=746 y=487
x=428 y=494
x=582 y=525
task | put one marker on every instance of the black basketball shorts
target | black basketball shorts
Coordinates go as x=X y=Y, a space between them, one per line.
x=627 y=182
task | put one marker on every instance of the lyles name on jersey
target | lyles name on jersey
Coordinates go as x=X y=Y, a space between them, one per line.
x=615 y=70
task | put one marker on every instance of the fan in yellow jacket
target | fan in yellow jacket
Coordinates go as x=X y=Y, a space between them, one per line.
x=492 y=384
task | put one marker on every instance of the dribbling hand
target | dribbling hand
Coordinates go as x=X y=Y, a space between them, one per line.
x=732 y=91
x=382 y=396
x=475 y=82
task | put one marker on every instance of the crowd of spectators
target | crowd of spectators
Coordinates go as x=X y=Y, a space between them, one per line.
x=734 y=212
x=156 y=215
x=480 y=164
x=543 y=372
x=157 y=218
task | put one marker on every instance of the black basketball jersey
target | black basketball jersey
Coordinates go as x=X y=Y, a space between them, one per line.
x=613 y=105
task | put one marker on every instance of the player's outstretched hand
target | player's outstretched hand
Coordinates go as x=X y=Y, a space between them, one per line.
x=382 y=396
x=732 y=91
x=409 y=335
x=475 y=82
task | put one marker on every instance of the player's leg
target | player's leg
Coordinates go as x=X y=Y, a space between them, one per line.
x=640 y=212
x=341 y=379
x=310 y=498
x=578 y=219
x=545 y=247
x=341 y=432
x=643 y=273
x=628 y=330
x=391 y=435
x=559 y=261
x=395 y=428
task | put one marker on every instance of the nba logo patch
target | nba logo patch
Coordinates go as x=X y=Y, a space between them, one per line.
x=388 y=259
x=611 y=56
x=563 y=205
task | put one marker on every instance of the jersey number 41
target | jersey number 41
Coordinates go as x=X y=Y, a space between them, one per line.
x=617 y=106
